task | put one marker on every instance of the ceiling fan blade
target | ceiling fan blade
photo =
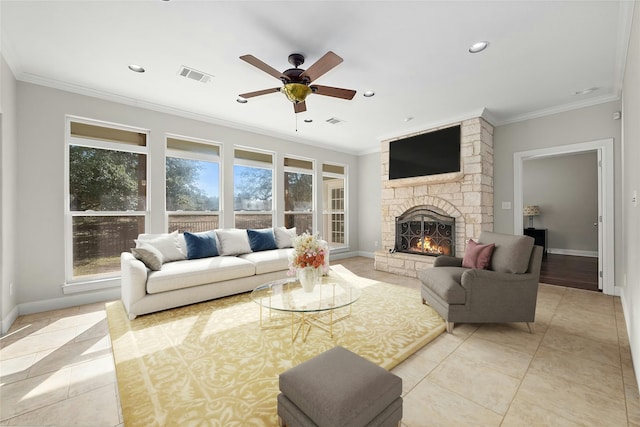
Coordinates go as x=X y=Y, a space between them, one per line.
x=300 y=107
x=259 y=92
x=263 y=66
x=322 y=65
x=336 y=92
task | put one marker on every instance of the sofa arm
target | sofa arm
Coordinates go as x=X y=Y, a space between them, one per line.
x=447 y=261
x=133 y=281
x=501 y=297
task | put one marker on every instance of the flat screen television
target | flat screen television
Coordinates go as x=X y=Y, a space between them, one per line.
x=426 y=154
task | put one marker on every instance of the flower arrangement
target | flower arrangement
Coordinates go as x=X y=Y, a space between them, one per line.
x=309 y=251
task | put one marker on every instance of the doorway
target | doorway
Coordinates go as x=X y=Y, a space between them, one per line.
x=605 y=219
x=565 y=190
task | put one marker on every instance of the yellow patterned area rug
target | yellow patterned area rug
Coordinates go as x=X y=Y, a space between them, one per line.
x=211 y=364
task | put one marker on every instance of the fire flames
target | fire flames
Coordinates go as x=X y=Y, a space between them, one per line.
x=427 y=245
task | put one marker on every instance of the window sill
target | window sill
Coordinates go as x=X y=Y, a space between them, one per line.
x=90 y=285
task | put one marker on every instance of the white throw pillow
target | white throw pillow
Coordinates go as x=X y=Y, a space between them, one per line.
x=167 y=244
x=233 y=242
x=284 y=236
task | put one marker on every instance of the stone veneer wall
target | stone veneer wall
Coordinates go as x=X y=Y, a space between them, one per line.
x=467 y=196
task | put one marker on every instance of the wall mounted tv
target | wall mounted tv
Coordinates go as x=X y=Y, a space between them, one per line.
x=426 y=154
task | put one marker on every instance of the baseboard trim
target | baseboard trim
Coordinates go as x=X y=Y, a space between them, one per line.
x=342 y=255
x=574 y=252
x=8 y=320
x=69 y=301
x=367 y=254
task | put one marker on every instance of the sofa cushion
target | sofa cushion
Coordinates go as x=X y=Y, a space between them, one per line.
x=445 y=282
x=477 y=255
x=201 y=245
x=512 y=253
x=168 y=245
x=261 y=240
x=284 y=236
x=188 y=273
x=268 y=261
x=233 y=242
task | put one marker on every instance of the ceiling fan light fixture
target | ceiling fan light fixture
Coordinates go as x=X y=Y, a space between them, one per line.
x=478 y=47
x=296 y=92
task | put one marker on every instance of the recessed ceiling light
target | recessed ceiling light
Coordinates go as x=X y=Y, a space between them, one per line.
x=241 y=100
x=585 y=91
x=136 y=68
x=368 y=94
x=478 y=47
x=408 y=119
x=308 y=120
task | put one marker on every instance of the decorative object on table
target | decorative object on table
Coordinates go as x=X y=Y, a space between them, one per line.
x=309 y=259
x=531 y=211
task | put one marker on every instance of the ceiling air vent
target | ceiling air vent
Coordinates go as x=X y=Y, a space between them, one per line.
x=334 y=120
x=196 y=75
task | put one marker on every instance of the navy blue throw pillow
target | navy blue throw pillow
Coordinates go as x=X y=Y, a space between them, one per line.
x=201 y=245
x=262 y=240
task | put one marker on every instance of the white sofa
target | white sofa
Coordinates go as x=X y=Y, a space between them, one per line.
x=187 y=281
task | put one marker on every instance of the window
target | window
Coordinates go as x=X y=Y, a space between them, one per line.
x=298 y=194
x=107 y=196
x=192 y=182
x=253 y=189
x=334 y=206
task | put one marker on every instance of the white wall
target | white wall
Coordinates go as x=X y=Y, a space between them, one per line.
x=630 y=253
x=581 y=125
x=41 y=167
x=8 y=194
x=566 y=190
x=369 y=201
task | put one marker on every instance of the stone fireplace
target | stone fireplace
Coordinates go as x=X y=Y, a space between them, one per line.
x=466 y=197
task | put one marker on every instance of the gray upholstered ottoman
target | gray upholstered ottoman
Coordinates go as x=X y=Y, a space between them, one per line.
x=338 y=388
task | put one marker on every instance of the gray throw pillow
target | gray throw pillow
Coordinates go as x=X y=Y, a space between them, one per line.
x=149 y=255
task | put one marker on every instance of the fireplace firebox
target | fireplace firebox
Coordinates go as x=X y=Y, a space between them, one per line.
x=425 y=232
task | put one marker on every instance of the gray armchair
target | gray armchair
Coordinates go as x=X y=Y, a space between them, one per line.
x=506 y=292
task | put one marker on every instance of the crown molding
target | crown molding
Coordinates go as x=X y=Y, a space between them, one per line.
x=108 y=96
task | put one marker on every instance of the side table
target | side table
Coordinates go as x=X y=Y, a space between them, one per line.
x=540 y=235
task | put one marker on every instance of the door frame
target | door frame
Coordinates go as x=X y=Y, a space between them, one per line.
x=606 y=236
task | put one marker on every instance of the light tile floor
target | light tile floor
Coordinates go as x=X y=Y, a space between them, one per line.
x=56 y=368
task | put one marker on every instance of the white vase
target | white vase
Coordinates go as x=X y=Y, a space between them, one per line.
x=308 y=278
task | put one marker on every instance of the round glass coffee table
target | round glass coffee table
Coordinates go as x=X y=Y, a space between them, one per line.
x=317 y=308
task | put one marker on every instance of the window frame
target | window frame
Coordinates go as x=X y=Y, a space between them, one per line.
x=72 y=283
x=327 y=211
x=314 y=204
x=191 y=155
x=238 y=161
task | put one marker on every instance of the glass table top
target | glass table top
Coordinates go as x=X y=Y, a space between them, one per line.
x=331 y=293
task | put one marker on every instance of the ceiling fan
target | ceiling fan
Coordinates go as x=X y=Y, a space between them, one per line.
x=297 y=82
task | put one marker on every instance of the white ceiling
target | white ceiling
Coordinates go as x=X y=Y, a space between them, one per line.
x=414 y=55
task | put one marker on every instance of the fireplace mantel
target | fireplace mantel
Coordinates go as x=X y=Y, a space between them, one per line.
x=420 y=180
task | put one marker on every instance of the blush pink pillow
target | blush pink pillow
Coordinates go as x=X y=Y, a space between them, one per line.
x=477 y=255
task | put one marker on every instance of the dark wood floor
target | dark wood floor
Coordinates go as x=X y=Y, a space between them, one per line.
x=572 y=271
